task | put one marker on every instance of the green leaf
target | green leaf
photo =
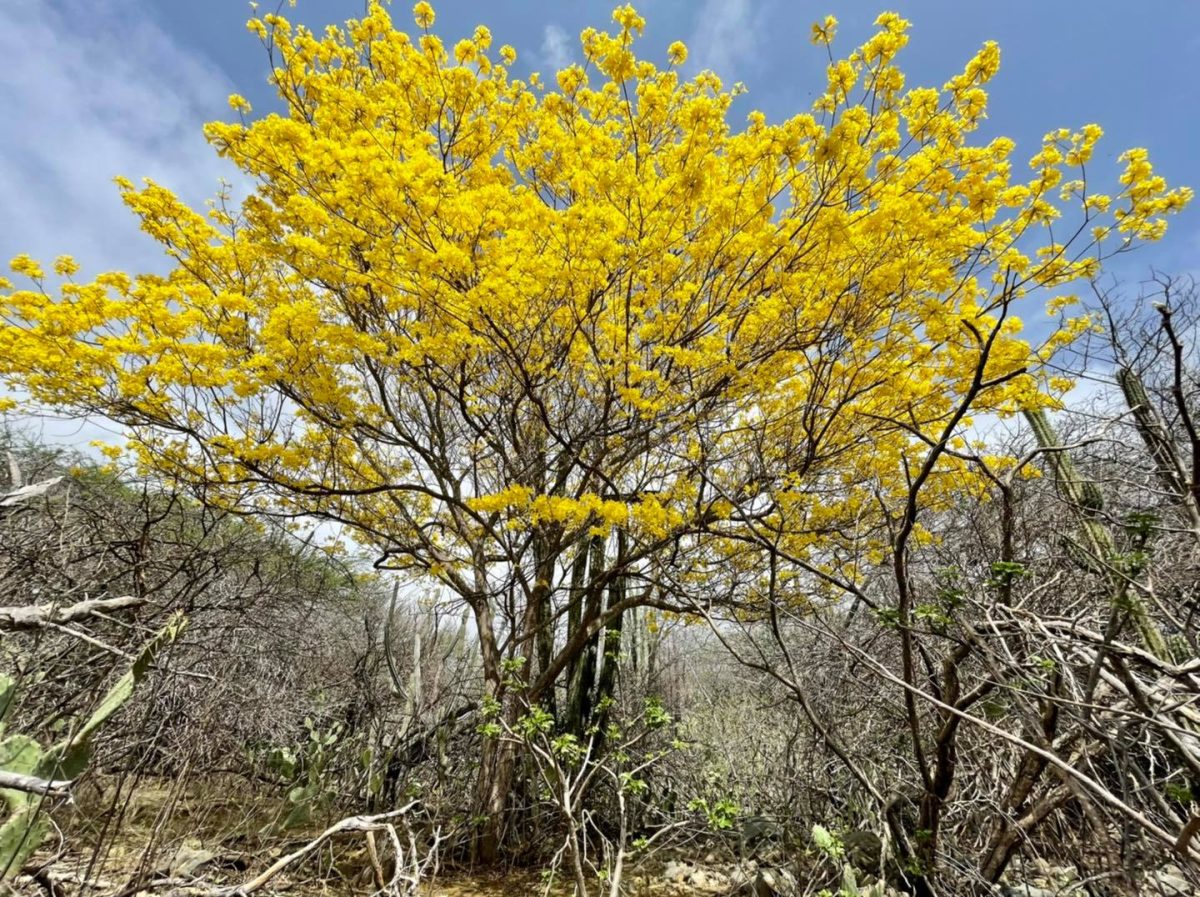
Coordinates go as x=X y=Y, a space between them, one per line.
x=67 y=759
x=8 y=690
x=19 y=754
x=826 y=842
x=21 y=835
x=849 y=882
x=301 y=814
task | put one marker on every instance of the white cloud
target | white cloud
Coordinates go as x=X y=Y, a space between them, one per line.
x=726 y=38
x=90 y=89
x=555 y=52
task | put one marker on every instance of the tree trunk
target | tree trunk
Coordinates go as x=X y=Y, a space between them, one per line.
x=582 y=684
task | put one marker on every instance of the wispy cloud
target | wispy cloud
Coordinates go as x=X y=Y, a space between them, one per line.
x=555 y=51
x=90 y=89
x=726 y=38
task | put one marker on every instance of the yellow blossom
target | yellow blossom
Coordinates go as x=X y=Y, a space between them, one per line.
x=423 y=15
x=25 y=265
x=65 y=266
x=823 y=32
x=485 y=322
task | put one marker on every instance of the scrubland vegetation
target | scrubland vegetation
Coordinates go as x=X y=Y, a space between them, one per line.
x=555 y=486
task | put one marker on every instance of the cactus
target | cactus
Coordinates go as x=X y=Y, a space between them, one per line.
x=407 y=688
x=639 y=641
x=26 y=825
x=1169 y=467
x=426 y=637
x=430 y=648
x=24 y=828
x=1085 y=496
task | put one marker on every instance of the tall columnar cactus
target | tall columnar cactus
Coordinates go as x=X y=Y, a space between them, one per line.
x=1088 y=501
x=1083 y=494
x=58 y=765
x=641 y=640
x=407 y=687
x=427 y=637
x=1169 y=466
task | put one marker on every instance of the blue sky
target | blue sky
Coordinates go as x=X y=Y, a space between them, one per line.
x=90 y=89
x=95 y=88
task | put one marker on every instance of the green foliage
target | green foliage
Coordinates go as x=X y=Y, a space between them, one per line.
x=538 y=721
x=831 y=847
x=511 y=668
x=888 y=617
x=656 y=715
x=828 y=843
x=1003 y=573
x=1178 y=791
x=489 y=710
x=932 y=615
x=26 y=825
x=567 y=748
x=721 y=814
x=950 y=592
x=1046 y=664
x=1142 y=526
x=306 y=770
x=631 y=784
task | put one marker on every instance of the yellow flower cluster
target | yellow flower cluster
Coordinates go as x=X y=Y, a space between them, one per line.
x=457 y=296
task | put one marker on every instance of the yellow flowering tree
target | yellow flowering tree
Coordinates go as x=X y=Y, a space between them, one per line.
x=575 y=345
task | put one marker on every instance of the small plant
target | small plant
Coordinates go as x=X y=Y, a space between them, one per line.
x=306 y=770
x=572 y=769
x=831 y=847
x=1003 y=573
x=57 y=766
x=721 y=814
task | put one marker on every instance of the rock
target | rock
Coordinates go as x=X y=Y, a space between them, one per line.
x=1024 y=889
x=706 y=880
x=742 y=878
x=678 y=872
x=1041 y=866
x=187 y=860
x=1173 y=885
x=863 y=849
x=773 y=881
x=1062 y=875
x=757 y=832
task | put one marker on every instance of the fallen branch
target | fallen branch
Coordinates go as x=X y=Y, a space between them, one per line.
x=40 y=616
x=1185 y=837
x=52 y=880
x=24 y=493
x=378 y=822
x=15 y=781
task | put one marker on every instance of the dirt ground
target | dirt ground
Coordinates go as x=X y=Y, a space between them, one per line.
x=115 y=834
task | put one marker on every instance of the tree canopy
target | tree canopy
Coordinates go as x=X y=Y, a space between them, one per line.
x=575 y=344
x=460 y=306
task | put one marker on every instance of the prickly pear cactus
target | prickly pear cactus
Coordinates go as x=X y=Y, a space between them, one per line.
x=26 y=825
x=22 y=831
